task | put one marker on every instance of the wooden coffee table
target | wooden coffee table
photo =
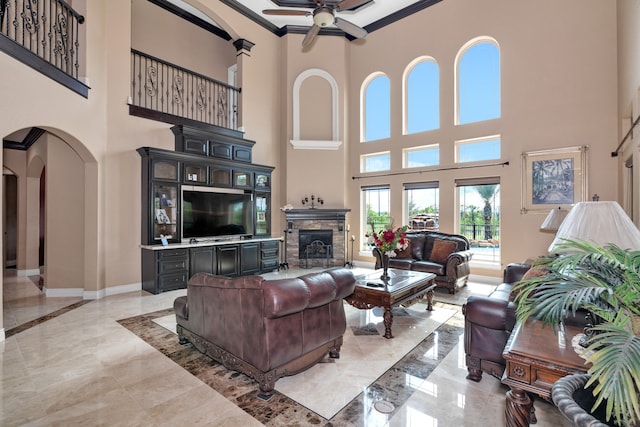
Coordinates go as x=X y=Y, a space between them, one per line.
x=536 y=358
x=403 y=288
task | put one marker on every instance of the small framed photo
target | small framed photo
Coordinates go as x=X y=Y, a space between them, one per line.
x=163 y=240
x=553 y=178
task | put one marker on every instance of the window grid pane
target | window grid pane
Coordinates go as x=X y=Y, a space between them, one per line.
x=375 y=211
x=422 y=156
x=480 y=220
x=377 y=109
x=375 y=162
x=479 y=83
x=423 y=208
x=478 y=150
x=423 y=98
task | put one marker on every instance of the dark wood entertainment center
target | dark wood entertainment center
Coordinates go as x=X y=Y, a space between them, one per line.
x=206 y=160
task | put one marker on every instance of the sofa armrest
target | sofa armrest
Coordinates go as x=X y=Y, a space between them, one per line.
x=514 y=271
x=460 y=257
x=490 y=312
x=180 y=307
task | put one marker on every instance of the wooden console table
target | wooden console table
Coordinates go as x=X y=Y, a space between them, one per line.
x=404 y=288
x=536 y=358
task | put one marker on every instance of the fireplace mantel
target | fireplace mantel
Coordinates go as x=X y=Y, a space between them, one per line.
x=315 y=213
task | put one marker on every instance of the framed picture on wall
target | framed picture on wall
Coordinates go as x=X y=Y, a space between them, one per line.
x=553 y=178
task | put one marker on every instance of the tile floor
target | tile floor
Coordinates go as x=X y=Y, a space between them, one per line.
x=83 y=367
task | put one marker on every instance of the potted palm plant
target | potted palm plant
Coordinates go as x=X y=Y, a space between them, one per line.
x=605 y=281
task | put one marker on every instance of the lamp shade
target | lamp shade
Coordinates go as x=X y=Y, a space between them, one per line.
x=553 y=220
x=599 y=222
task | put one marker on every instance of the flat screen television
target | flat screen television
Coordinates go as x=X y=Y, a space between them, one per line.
x=218 y=213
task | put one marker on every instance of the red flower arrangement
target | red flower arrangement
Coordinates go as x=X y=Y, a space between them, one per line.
x=389 y=241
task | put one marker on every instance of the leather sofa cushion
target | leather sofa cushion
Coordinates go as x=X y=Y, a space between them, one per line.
x=322 y=288
x=284 y=296
x=417 y=246
x=403 y=263
x=441 y=250
x=429 y=267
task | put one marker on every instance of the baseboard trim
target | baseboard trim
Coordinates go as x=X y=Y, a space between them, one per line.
x=115 y=290
x=30 y=272
x=62 y=292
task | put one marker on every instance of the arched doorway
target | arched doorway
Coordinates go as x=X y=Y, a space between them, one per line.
x=56 y=189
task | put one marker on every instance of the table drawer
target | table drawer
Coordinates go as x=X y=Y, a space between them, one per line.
x=519 y=372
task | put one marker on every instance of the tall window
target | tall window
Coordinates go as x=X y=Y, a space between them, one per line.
x=375 y=210
x=479 y=216
x=422 y=91
x=422 y=204
x=478 y=82
x=377 y=109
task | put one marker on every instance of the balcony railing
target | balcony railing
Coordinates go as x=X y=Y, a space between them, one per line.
x=43 y=34
x=481 y=234
x=171 y=90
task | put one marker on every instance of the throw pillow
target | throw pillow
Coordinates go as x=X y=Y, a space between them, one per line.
x=406 y=252
x=534 y=272
x=441 y=250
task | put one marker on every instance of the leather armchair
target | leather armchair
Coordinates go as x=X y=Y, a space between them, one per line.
x=488 y=322
x=266 y=329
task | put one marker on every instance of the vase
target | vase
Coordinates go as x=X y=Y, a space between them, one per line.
x=385 y=267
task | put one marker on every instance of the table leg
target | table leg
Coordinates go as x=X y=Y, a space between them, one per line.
x=388 y=321
x=430 y=300
x=518 y=409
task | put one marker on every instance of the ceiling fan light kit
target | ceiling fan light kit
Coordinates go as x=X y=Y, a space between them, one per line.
x=324 y=16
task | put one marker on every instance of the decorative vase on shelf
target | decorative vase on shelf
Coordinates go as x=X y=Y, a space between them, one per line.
x=385 y=267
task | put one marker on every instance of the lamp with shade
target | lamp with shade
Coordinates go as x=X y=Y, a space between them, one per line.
x=553 y=220
x=600 y=222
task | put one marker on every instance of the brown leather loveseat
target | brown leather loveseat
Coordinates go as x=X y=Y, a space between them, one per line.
x=445 y=255
x=266 y=329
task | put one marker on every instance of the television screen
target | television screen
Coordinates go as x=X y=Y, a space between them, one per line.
x=212 y=214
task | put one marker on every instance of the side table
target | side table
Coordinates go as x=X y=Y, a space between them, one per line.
x=536 y=358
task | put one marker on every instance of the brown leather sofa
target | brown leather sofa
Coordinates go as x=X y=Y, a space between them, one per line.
x=266 y=329
x=488 y=322
x=445 y=255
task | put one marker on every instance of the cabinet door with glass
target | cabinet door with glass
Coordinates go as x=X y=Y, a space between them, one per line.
x=263 y=214
x=165 y=219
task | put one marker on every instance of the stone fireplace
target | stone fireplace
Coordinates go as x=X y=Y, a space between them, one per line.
x=315 y=237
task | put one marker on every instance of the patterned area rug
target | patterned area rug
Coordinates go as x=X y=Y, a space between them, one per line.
x=301 y=399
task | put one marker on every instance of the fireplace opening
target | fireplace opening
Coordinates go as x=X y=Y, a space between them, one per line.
x=313 y=244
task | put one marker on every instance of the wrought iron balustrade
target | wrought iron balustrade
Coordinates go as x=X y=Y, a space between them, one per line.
x=49 y=29
x=170 y=89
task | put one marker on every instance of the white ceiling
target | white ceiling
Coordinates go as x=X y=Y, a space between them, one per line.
x=363 y=16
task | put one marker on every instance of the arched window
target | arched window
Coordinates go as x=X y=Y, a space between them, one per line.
x=376 y=100
x=422 y=96
x=478 y=81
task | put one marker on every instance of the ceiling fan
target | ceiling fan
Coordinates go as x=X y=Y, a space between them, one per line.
x=324 y=16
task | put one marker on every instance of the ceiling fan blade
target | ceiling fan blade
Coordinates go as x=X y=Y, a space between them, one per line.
x=311 y=35
x=287 y=12
x=350 y=4
x=351 y=28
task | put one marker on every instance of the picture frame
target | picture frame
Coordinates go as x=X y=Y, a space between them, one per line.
x=555 y=178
